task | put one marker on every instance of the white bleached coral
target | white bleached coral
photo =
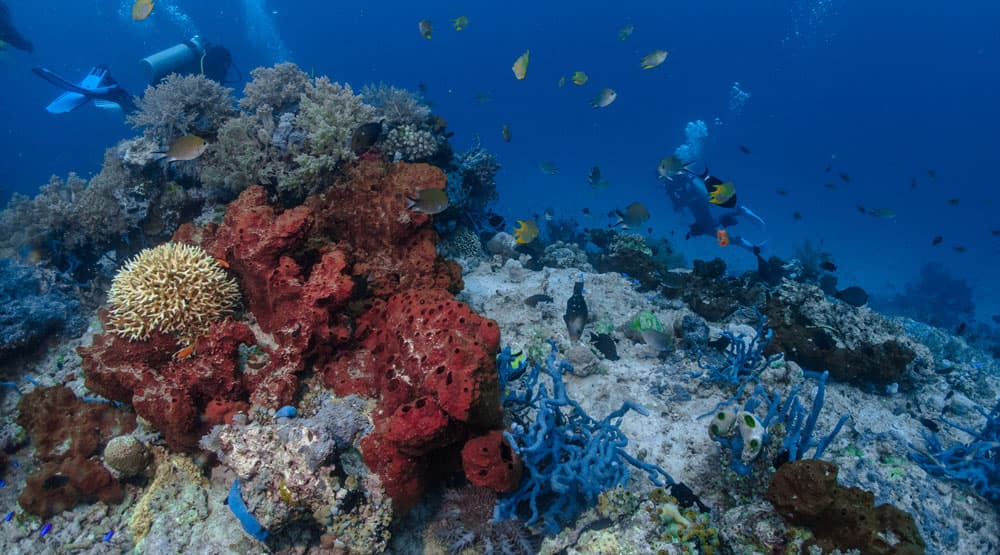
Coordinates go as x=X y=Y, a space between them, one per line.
x=173 y=288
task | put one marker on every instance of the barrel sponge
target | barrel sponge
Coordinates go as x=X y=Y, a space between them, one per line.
x=173 y=288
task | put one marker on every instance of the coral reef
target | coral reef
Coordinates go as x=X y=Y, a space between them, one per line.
x=464 y=524
x=66 y=433
x=396 y=107
x=855 y=345
x=34 y=303
x=70 y=220
x=280 y=88
x=242 y=156
x=328 y=115
x=182 y=105
x=462 y=244
x=258 y=146
x=301 y=469
x=173 y=288
x=472 y=181
x=296 y=280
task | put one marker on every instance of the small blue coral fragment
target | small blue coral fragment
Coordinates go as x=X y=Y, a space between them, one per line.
x=239 y=509
x=287 y=411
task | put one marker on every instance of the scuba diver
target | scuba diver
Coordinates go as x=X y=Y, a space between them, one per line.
x=10 y=35
x=699 y=199
x=194 y=56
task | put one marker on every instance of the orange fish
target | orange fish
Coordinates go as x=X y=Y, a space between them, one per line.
x=222 y=263
x=722 y=237
x=186 y=352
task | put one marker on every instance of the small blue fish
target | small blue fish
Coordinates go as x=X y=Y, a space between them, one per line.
x=3 y=483
x=9 y=516
x=649 y=298
x=45 y=530
x=109 y=535
x=624 y=275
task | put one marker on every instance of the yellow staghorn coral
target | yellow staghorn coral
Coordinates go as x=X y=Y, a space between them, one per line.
x=173 y=288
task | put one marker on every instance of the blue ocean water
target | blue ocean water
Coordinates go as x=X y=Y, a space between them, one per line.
x=883 y=92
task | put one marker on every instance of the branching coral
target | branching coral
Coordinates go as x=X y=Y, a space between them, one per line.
x=173 y=288
x=472 y=180
x=182 y=105
x=396 y=107
x=328 y=115
x=279 y=87
x=31 y=222
x=240 y=157
x=71 y=219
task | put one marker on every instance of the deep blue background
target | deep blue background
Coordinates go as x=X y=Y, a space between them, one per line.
x=887 y=90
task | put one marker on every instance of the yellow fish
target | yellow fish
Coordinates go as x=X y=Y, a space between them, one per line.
x=722 y=193
x=604 y=98
x=579 y=78
x=525 y=232
x=562 y=81
x=186 y=148
x=460 y=22
x=520 y=67
x=426 y=29
x=654 y=58
x=505 y=131
x=141 y=9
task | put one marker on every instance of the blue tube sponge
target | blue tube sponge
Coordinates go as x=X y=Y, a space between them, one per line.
x=246 y=518
x=569 y=457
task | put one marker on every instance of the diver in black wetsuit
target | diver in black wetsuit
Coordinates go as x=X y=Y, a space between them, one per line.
x=9 y=34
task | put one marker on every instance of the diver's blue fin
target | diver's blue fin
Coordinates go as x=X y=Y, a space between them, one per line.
x=95 y=84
